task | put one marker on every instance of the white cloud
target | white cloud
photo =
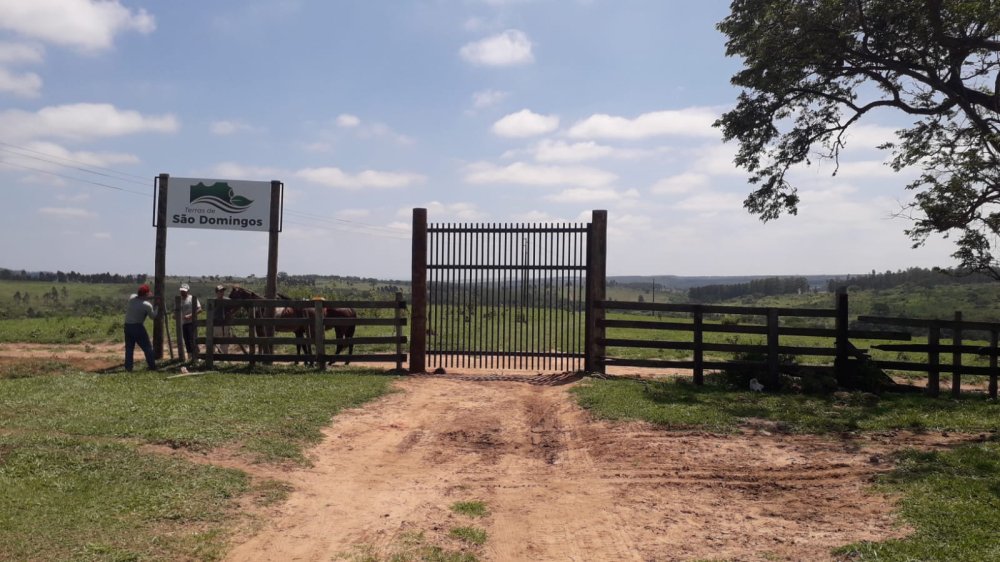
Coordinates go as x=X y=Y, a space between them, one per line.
x=528 y=174
x=234 y=171
x=347 y=120
x=102 y=235
x=67 y=212
x=50 y=150
x=596 y=195
x=525 y=123
x=21 y=53
x=353 y=214
x=26 y=85
x=694 y=121
x=223 y=128
x=487 y=98
x=560 y=151
x=442 y=212
x=681 y=183
x=82 y=121
x=712 y=203
x=335 y=177
x=512 y=47
x=87 y=24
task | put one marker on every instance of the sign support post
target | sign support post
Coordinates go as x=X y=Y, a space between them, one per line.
x=160 y=265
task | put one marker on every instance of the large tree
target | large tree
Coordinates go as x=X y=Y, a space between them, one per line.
x=814 y=68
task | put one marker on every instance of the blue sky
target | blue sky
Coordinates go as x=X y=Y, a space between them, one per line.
x=478 y=110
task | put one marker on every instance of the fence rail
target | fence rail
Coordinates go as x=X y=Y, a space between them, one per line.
x=260 y=341
x=934 y=348
x=843 y=352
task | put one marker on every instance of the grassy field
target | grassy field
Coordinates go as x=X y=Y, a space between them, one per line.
x=72 y=463
x=949 y=498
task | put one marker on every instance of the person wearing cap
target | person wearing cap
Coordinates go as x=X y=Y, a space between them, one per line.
x=189 y=313
x=219 y=327
x=139 y=308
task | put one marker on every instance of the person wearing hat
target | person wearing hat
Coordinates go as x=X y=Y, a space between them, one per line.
x=139 y=308
x=219 y=327
x=189 y=313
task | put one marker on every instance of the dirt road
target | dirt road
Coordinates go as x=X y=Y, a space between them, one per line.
x=560 y=486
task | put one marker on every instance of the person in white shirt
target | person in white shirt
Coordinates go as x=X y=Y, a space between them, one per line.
x=189 y=313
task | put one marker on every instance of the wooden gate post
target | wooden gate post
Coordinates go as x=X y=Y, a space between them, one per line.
x=773 y=361
x=418 y=279
x=597 y=257
x=993 y=364
x=956 y=357
x=934 y=359
x=842 y=345
x=699 y=345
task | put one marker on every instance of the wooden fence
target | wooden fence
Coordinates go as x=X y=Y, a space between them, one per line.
x=958 y=329
x=843 y=352
x=260 y=340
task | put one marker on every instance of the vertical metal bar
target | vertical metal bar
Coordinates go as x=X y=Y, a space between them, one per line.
x=432 y=303
x=479 y=297
x=508 y=298
x=495 y=346
x=399 y=330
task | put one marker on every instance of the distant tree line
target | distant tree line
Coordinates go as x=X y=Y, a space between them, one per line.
x=916 y=276
x=70 y=277
x=757 y=287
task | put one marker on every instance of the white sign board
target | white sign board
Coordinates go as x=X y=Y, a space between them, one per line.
x=218 y=204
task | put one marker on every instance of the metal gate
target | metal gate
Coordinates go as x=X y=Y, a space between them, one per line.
x=504 y=296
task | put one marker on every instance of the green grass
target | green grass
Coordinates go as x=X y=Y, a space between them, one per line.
x=409 y=546
x=951 y=499
x=75 y=483
x=472 y=535
x=64 y=498
x=470 y=508
x=679 y=404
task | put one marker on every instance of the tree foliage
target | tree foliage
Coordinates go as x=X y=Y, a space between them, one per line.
x=814 y=68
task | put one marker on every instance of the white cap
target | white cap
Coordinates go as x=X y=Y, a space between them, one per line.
x=185 y=287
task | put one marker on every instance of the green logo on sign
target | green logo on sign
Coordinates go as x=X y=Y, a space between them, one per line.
x=220 y=196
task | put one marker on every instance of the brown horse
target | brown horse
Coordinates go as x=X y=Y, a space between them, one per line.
x=280 y=312
x=341 y=330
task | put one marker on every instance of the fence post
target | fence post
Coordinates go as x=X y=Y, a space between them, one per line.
x=179 y=329
x=319 y=333
x=993 y=364
x=399 y=331
x=597 y=254
x=418 y=280
x=773 y=362
x=699 y=349
x=956 y=356
x=934 y=359
x=840 y=364
x=252 y=315
x=209 y=333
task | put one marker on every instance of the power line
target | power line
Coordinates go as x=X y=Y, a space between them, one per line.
x=124 y=176
x=57 y=174
x=333 y=223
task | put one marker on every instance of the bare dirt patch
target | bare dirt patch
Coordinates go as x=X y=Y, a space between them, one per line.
x=558 y=485
x=87 y=357
x=561 y=486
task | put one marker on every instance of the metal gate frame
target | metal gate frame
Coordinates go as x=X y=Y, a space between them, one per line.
x=474 y=265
